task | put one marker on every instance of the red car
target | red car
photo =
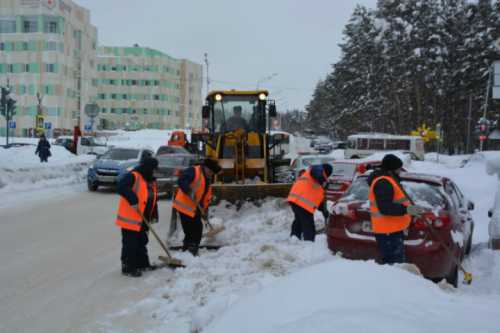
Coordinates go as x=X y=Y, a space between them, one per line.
x=344 y=173
x=349 y=227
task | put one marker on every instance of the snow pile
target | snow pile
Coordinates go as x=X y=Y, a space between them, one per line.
x=259 y=251
x=356 y=296
x=22 y=173
x=148 y=138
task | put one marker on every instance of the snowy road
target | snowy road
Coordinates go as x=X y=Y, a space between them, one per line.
x=60 y=264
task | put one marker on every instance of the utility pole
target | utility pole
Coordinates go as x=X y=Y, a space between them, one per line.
x=469 y=119
x=486 y=104
x=208 y=78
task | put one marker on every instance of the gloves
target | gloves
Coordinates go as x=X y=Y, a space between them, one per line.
x=416 y=211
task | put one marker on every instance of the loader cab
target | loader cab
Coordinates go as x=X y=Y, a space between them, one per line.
x=228 y=111
x=239 y=137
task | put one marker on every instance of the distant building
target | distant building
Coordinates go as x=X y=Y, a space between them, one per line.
x=139 y=87
x=47 y=47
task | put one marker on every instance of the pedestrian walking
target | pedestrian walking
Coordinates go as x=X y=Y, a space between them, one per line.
x=43 y=149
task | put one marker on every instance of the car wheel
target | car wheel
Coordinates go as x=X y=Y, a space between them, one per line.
x=92 y=186
x=452 y=278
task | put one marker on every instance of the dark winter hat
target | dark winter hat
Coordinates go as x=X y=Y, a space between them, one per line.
x=328 y=169
x=391 y=162
x=212 y=165
x=149 y=162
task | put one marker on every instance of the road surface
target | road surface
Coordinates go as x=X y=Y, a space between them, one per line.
x=60 y=268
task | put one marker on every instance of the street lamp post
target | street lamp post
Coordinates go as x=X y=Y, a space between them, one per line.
x=264 y=79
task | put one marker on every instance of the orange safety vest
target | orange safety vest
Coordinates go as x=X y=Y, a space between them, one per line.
x=386 y=224
x=184 y=204
x=306 y=192
x=127 y=217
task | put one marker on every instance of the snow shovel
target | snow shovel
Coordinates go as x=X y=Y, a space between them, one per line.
x=169 y=260
x=467 y=275
x=212 y=231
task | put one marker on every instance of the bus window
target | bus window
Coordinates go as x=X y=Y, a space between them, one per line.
x=362 y=144
x=377 y=144
x=351 y=144
x=397 y=144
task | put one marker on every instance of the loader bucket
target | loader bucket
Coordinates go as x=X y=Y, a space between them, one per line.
x=249 y=192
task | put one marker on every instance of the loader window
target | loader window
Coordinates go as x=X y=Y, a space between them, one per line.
x=235 y=112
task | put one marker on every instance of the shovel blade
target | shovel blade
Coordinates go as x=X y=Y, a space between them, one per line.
x=215 y=230
x=172 y=262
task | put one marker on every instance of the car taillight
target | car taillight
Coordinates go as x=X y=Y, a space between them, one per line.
x=438 y=222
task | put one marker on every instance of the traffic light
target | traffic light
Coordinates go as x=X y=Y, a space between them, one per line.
x=3 y=101
x=11 y=106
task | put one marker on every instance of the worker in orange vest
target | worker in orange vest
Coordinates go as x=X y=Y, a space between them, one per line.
x=306 y=195
x=194 y=193
x=391 y=211
x=138 y=193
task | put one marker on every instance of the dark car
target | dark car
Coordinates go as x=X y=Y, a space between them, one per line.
x=349 y=227
x=115 y=162
x=66 y=142
x=169 y=168
x=163 y=150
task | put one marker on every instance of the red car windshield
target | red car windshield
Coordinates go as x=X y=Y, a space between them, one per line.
x=424 y=194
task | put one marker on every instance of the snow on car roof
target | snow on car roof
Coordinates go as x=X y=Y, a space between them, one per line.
x=382 y=136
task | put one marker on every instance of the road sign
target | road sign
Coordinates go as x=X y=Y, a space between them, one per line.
x=92 y=110
x=47 y=125
x=12 y=124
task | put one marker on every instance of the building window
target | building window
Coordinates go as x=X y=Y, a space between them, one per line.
x=156 y=97
x=7 y=25
x=50 y=24
x=50 y=68
x=2 y=46
x=30 y=24
x=113 y=96
x=51 y=46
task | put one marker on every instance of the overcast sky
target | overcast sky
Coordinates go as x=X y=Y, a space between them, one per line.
x=246 y=41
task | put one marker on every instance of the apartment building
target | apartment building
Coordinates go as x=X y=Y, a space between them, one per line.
x=140 y=87
x=47 y=48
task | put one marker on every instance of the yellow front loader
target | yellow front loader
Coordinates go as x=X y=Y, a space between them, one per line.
x=238 y=138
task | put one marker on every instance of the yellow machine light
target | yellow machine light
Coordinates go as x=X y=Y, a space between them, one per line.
x=262 y=96
x=218 y=97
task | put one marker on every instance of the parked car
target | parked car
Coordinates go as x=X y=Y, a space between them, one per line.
x=107 y=168
x=344 y=173
x=65 y=141
x=85 y=145
x=302 y=162
x=169 y=168
x=349 y=228
x=324 y=147
x=162 y=150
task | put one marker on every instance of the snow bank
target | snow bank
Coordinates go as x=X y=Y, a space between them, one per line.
x=21 y=172
x=355 y=296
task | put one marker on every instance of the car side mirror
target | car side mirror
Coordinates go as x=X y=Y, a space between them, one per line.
x=205 y=112
x=470 y=205
x=272 y=111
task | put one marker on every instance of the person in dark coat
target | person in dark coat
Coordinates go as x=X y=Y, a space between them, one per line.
x=306 y=195
x=134 y=255
x=43 y=149
x=391 y=208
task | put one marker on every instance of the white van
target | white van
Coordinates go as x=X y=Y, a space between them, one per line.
x=365 y=144
x=85 y=145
